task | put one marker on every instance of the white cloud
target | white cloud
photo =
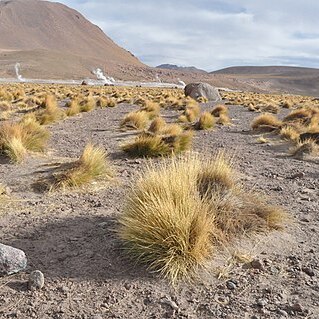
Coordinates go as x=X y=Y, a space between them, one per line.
x=210 y=34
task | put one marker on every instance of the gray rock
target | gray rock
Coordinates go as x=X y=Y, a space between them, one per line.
x=196 y=90
x=231 y=285
x=261 y=302
x=12 y=260
x=36 y=280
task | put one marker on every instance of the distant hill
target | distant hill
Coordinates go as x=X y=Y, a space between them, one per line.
x=190 y=69
x=263 y=70
x=53 y=40
x=297 y=80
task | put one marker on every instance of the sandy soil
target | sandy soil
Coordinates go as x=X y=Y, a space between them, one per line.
x=70 y=236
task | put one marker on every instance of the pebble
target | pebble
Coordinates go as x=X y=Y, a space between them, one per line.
x=282 y=313
x=308 y=271
x=231 y=285
x=261 y=302
x=36 y=280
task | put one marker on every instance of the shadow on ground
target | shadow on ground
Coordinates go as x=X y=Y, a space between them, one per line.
x=79 y=247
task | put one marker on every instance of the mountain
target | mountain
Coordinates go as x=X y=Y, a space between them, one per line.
x=190 y=69
x=52 y=40
x=297 y=80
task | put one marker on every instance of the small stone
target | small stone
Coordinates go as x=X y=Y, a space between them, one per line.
x=261 y=302
x=231 y=285
x=255 y=264
x=298 y=175
x=12 y=260
x=170 y=303
x=36 y=280
x=282 y=313
x=308 y=271
x=296 y=307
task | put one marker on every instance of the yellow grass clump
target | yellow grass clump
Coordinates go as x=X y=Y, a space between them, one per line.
x=206 y=121
x=74 y=108
x=135 y=120
x=220 y=109
x=179 y=212
x=51 y=112
x=16 y=139
x=157 y=124
x=266 y=122
x=150 y=145
x=93 y=164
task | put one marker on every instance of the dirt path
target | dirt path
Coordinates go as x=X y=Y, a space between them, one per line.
x=70 y=236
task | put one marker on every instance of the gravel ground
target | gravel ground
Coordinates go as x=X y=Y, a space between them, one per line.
x=70 y=236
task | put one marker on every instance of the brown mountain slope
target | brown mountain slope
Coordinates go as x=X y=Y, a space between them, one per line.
x=296 y=80
x=36 y=32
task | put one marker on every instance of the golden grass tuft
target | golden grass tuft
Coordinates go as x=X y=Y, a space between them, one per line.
x=206 y=121
x=74 y=108
x=305 y=148
x=157 y=124
x=51 y=112
x=152 y=108
x=289 y=133
x=224 y=119
x=149 y=145
x=16 y=139
x=266 y=122
x=88 y=104
x=220 y=109
x=180 y=211
x=135 y=120
x=92 y=165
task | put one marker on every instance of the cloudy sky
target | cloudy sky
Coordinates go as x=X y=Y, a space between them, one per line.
x=210 y=34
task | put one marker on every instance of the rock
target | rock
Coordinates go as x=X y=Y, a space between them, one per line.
x=170 y=303
x=261 y=302
x=12 y=260
x=84 y=82
x=231 y=285
x=255 y=264
x=36 y=280
x=282 y=313
x=197 y=90
x=296 y=307
x=308 y=271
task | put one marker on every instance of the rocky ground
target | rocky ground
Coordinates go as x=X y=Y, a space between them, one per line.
x=71 y=238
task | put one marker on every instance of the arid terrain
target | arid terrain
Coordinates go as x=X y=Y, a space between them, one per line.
x=70 y=234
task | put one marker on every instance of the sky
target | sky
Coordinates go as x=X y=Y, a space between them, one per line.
x=210 y=34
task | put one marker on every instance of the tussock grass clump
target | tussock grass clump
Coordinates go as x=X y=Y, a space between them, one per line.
x=220 y=109
x=289 y=133
x=206 y=121
x=266 y=122
x=88 y=104
x=74 y=108
x=93 y=164
x=152 y=108
x=16 y=139
x=149 y=145
x=51 y=112
x=305 y=148
x=5 y=106
x=157 y=124
x=224 y=119
x=135 y=120
x=179 y=212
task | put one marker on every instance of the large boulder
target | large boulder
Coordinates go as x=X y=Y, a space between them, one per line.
x=197 y=90
x=12 y=260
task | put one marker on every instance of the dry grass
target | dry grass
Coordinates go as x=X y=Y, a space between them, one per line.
x=135 y=120
x=74 y=108
x=305 y=148
x=51 y=112
x=178 y=213
x=157 y=124
x=16 y=139
x=206 y=121
x=152 y=108
x=289 y=133
x=220 y=109
x=92 y=165
x=266 y=122
x=149 y=145
x=224 y=119
x=88 y=104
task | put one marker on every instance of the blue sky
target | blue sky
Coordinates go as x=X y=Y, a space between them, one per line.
x=210 y=34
